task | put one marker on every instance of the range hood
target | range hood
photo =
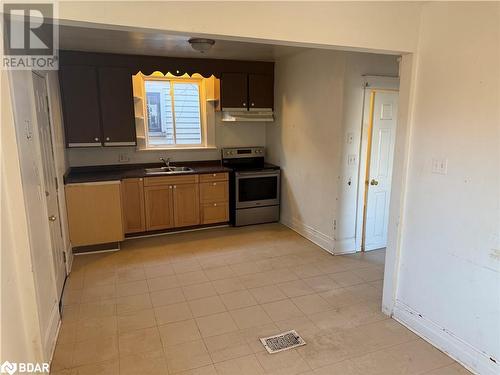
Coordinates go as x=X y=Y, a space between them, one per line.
x=244 y=115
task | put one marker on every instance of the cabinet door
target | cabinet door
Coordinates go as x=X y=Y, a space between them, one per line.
x=260 y=91
x=94 y=213
x=234 y=90
x=186 y=205
x=117 y=107
x=80 y=102
x=216 y=212
x=214 y=191
x=159 y=207
x=133 y=205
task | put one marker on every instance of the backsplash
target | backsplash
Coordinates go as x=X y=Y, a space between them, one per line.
x=226 y=135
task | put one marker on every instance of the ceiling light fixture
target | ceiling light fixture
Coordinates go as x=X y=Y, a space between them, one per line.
x=201 y=44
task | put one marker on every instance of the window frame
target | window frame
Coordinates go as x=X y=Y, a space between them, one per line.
x=203 y=113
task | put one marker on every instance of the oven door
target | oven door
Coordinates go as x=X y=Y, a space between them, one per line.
x=254 y=189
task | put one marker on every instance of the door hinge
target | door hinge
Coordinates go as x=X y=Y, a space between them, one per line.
x=64 y=256
x=57 y=184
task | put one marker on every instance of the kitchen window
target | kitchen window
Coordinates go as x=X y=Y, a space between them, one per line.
x=173 y=113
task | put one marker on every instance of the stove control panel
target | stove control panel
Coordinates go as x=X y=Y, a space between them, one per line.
x=242 y=152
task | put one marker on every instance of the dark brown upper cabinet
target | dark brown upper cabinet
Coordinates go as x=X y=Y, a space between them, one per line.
x=80 y=102
x=260 y=91
x=98 y=106
x=243 y=90
x=117 y=107
x=234 y=90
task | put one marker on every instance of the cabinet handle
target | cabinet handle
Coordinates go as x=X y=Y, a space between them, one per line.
x=214 y=175
x=253 y=104
x=96 y=139
x=175 y=187
x=107 y=138
x=214 y=184
x=215 y=204
x=244 y=104
x=170 y=187
x=140 y=179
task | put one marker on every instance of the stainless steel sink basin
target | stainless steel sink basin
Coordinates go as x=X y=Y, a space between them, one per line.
x=167 y=170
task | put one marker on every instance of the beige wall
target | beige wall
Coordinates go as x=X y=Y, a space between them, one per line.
x=314 y=113
x=305 y=140
x=450 y=263
x=389 y=26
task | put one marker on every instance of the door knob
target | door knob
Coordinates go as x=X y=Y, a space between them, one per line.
x=373 y=182
x=52 y=218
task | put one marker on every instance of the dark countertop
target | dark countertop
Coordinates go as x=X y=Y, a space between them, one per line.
x=121 y=171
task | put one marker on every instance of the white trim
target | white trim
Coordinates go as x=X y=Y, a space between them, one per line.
x=467 y=355
x=52 y=332
x=322 y=240
x=345 y=246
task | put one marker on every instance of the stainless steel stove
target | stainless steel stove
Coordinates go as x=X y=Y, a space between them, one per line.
x=254 y=195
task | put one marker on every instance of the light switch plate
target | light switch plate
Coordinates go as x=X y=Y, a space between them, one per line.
x=440 y=166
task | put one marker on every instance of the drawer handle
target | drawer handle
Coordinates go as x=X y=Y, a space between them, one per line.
x=170 y=187
x=214 y=184
x=214 y=175
x=175 y=187
x=215 y=204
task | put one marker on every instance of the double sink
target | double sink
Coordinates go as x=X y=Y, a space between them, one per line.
x=167 y=170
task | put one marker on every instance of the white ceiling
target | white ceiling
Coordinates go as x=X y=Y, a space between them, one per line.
x=154 y=43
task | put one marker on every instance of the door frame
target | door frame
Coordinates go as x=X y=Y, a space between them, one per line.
x=372 y=84
x=55 y=242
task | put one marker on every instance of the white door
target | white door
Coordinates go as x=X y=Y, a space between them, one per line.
x=50 y=183
x=383 y=116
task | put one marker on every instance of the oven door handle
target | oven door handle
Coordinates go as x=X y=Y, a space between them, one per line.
x=258 y=174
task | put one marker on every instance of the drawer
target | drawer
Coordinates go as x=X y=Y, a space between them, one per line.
x=217 y=191
x=210 y=177
x=171 y=180
x=217 y=212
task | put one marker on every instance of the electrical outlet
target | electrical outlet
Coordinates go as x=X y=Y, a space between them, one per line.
x=123 y=158
x=351 y=159
x=440 y=166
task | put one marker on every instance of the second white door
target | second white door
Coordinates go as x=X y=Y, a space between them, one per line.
x=384 y=111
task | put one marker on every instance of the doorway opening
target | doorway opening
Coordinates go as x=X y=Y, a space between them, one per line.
x=380 y=113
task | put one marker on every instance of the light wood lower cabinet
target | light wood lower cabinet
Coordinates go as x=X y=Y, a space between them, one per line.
x=217 y=191
x=159 y=207
x=133 y=205
x=186 y=205
x=217 y=212
x=94 y=213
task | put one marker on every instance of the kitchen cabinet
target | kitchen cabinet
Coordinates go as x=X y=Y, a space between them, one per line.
x=171 y=201
x=133 y=205
x=215 y=212
x=94 y=213
x=260 y=91
x=80 y=103
x=186 y=205
x=247 y=91
x=98 y=106
x=159 y=207
x=214 y=198
x=234 y=90
x=117 y=107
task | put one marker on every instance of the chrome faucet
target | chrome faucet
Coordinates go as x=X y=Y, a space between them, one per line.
x=166 y=162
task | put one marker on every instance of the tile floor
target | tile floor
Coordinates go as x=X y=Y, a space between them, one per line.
x=196 y=303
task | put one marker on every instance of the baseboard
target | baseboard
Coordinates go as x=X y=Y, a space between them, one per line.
x=51 y=333
x=470 y=357
x=345 y=246
x=322 y=240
